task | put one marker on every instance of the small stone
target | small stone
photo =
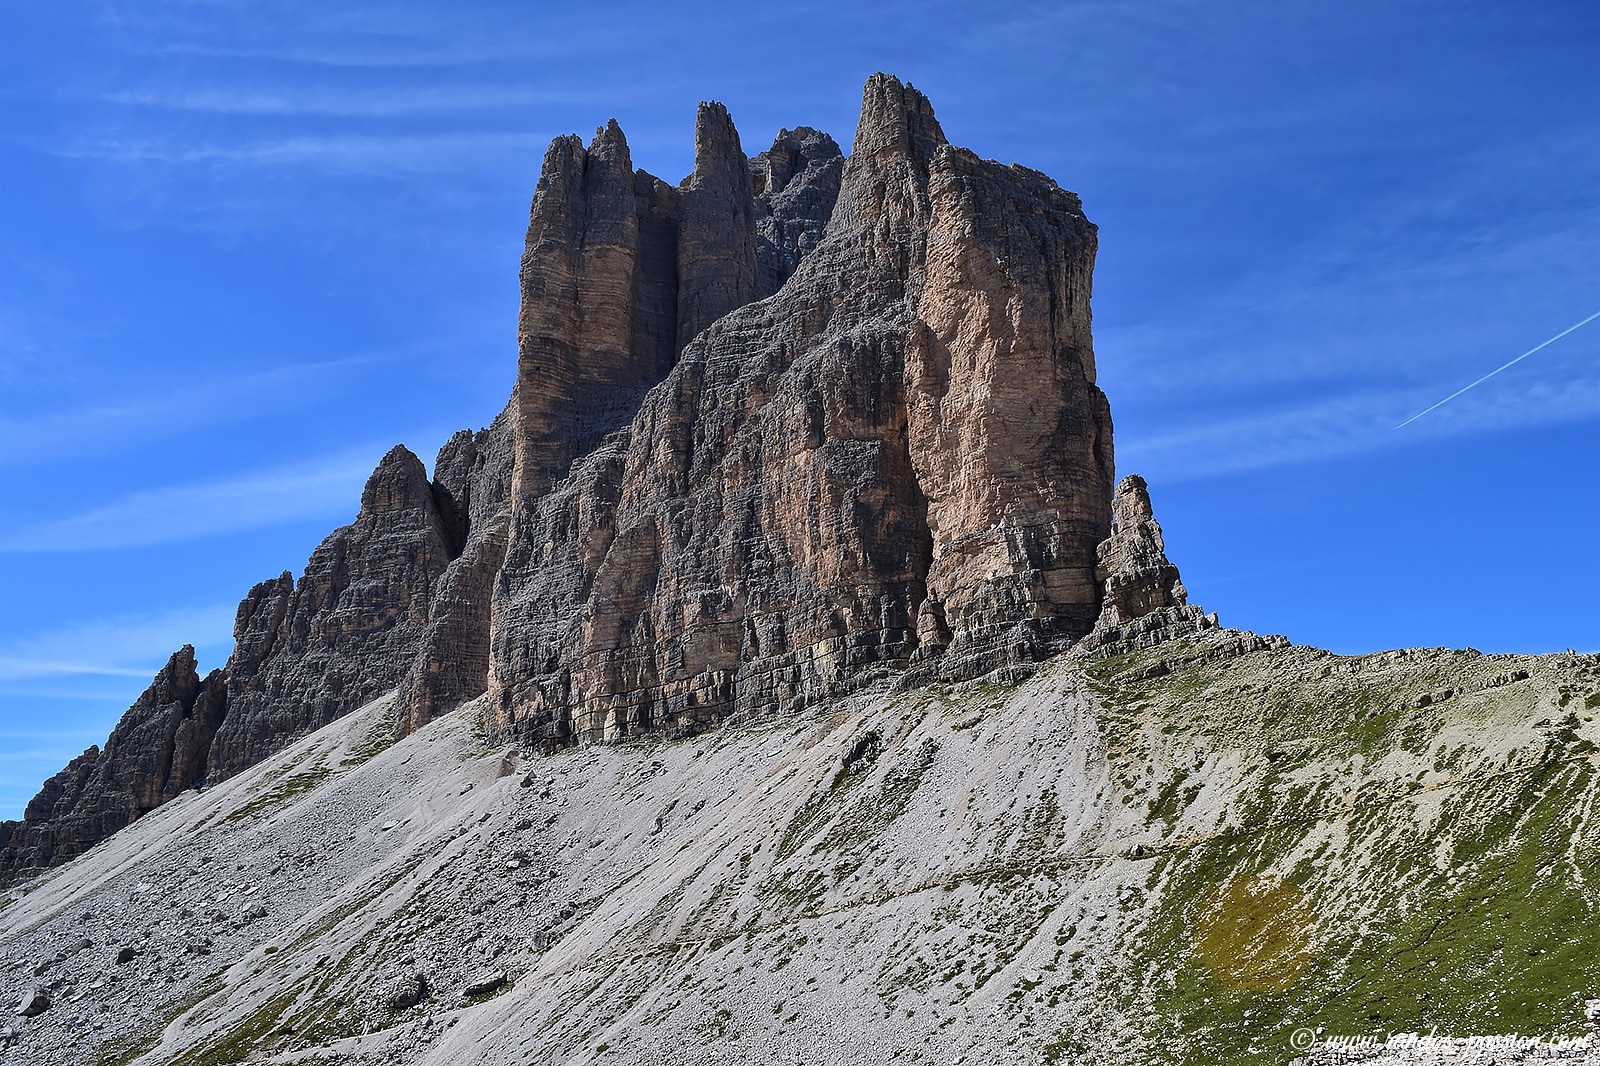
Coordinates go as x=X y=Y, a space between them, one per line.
x=126 y=955
x=34 y=1004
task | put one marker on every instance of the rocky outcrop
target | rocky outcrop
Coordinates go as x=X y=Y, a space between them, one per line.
x=898 y=458
x=306 y=653
x=156 y=751
x=1143 y=600
x=599 y=317
x=402 y=593
x=452 y=662
x=1133 y=560
x=717 y=227
x=796 y=185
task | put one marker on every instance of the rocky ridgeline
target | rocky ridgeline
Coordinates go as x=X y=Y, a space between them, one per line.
x=796 y=424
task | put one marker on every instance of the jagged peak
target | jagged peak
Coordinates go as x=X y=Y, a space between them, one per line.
x=791 y=153
x=717 y=152
x=177 y=681
x=563 y=157
x=610 y=145
x=895 y=116
x=1143 y=601
x=1132 y=502
x=399 y=483
x=180 y=660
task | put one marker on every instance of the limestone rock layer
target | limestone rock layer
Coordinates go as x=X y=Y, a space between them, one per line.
x=900 y=458
x=796 y=185
x=306 y=653
x=797 y=423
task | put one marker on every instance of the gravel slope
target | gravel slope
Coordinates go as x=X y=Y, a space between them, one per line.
x=1183 y=855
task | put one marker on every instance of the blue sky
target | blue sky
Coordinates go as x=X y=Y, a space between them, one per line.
x=246 y=247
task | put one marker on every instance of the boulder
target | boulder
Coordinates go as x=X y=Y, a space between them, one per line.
x=405 y=991
x=33 y=1004
x=485 y=982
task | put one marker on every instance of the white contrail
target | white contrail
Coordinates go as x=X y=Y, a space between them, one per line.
x=1497 y=370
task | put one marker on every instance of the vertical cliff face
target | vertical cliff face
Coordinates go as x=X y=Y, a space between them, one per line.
x=599 y=317
x=452 y=660
x=717 y=234
x=898 y=458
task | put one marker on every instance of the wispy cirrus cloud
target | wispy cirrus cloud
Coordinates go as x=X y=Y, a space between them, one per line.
x=1348 y=425
x=124 y=646
x=321 y=489
x=344 y=102
x=133 y=419
x=379 y=154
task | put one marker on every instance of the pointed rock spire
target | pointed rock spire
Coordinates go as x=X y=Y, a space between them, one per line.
x=155 y=751
x=1133 y=560
x=1143 y=600
x=896 y=117
x=307 y=653
x=399 y=483
x=717 y=234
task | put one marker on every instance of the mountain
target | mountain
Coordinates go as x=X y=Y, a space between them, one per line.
x=784 y=675
x=793 y=425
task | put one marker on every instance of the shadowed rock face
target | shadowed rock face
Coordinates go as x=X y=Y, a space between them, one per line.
x=797 y=184
x=717 y=228
x=899 y=458
x=599 y=316
x=452 y=661
x=156 y=751
x=305 y=654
